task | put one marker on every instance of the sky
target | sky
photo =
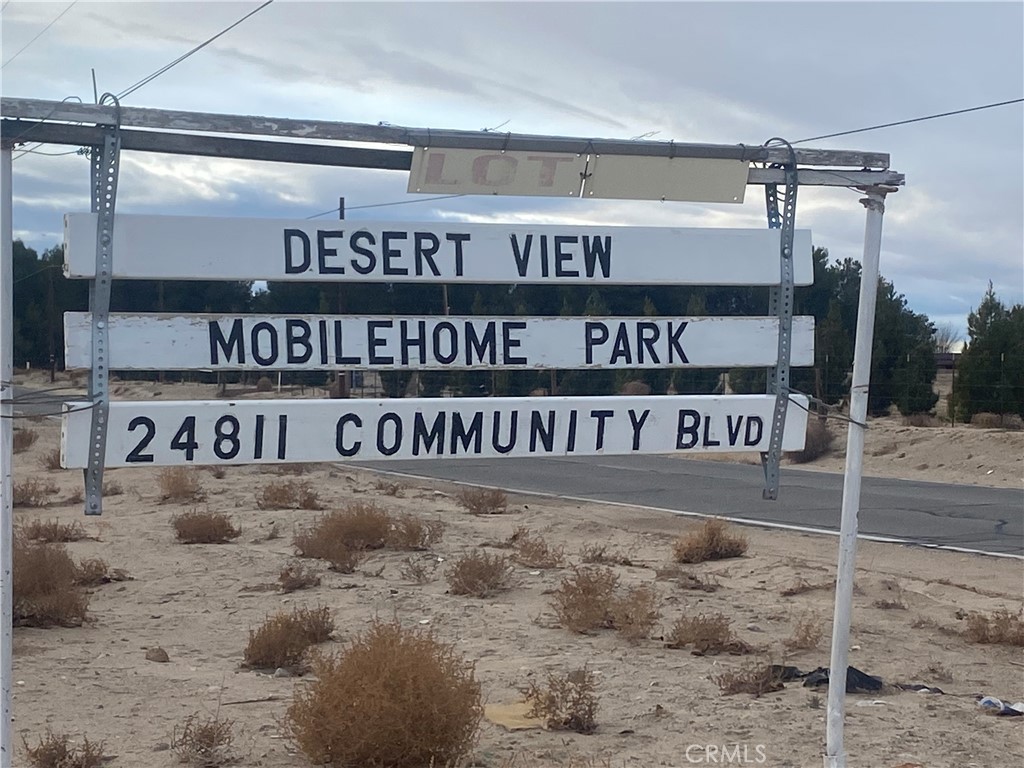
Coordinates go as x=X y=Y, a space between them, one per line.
x=723 y=73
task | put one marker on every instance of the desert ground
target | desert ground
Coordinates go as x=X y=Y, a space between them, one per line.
x=658 y=706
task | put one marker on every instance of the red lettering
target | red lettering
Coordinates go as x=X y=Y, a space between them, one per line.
x=548 y=167
x=482 y=170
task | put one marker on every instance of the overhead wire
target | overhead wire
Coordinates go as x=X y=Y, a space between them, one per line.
x=383 y=205
x=40 y=33
x=152 y=76
x=911 y=120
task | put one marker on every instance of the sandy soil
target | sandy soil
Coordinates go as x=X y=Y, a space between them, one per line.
x=198 y=602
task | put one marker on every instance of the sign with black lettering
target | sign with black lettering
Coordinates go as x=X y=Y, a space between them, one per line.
x=445 y=170
x=318 y=342
x=282 y=431
x=197 y=248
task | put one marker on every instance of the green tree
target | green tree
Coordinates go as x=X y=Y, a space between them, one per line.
x=990 y=372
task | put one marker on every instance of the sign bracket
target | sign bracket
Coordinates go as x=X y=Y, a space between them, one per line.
x=105 y=166
x=780 y=305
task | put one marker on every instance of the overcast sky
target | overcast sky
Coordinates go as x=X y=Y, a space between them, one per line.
x=721 y=73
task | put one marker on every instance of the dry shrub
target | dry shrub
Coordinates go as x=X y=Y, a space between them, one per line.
x=583 y=601
x=986 y=420
x=284 y=638
x=806 y=635
x=296 y=576
x=180 y=484
x=707 y=634
x=264 y=384
x=1013 y=421
x=112 y=488
x=817 y=442
x=46 y=586
x=288 y=494
x=50 y=459
x=800 y=586
x=599 y=554
x=483 y=501
x=33 y=493
x=411 y=534
x=387 y=488
x=479 y=574
x=56 y=751
x=92 y=572
x=922 y=420
x=357 y=527
x=1001 y=628
x=758 y=678
x=687 y=579
x=218 y=472
x=567 y=703
x=711 y=542
x=23 y=439
x=635 y=613
x=394 y=697
x=418 y=571
x=635 y=388
x=533 y=551
x=204 y=742
x=204 y=528
x=52 y=531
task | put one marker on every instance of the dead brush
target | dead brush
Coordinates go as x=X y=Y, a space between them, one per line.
x=533 y=551
x=567 y=703
x=204 y=742
x=92 y=572
x=412 y=534
x=418 y=571
x=599 y=554
x=479 y=574
x=197 y=527
x=801 y=586
x=635 y=613
x=1001 y=628
x=356 y=527
x=817 y=442
x=807 y=634
x=583 y=601
x=393 y=697
x=688 y=579
x=756 y=677
x=52 y=531
x=296 y=576
x=388 y=489
x=23 y=439
x=56 y=751
x=283 y=640
x=711 y=542
x=112 y=488
x=707 y=634
x=483 y=501
x=46 y=586
x=33 y=493
x=288 y=494
x=50 y=459
x=180 y=484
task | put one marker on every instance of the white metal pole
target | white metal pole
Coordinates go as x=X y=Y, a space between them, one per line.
x=835 y=754
x=6 y=475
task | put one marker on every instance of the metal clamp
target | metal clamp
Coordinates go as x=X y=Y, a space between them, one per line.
x=105 y=165
x=780 y=305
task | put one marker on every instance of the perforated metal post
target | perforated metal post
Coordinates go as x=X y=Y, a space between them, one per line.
x=104 y=194
x=780 y=305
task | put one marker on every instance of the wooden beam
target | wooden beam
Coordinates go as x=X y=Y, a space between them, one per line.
x=205 y=122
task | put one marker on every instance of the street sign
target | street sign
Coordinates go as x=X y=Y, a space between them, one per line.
x=282 y=431
x=315 y=342
x=204 y=248
x=445 y=170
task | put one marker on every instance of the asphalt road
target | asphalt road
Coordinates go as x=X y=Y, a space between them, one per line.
x=934 y=514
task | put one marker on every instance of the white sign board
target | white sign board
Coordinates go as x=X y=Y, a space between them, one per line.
x=202 y=248
x=442 y=170
x=281 y=431
x=316 y=342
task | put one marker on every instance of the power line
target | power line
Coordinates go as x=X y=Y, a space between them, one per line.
x=26 y=45
x=382 y=205
x=149 y=78
x=912 y=120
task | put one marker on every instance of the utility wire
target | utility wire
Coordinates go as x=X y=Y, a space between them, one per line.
x=149 y=78
x=912 y=120
x=26 y=45
x=382 y=205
